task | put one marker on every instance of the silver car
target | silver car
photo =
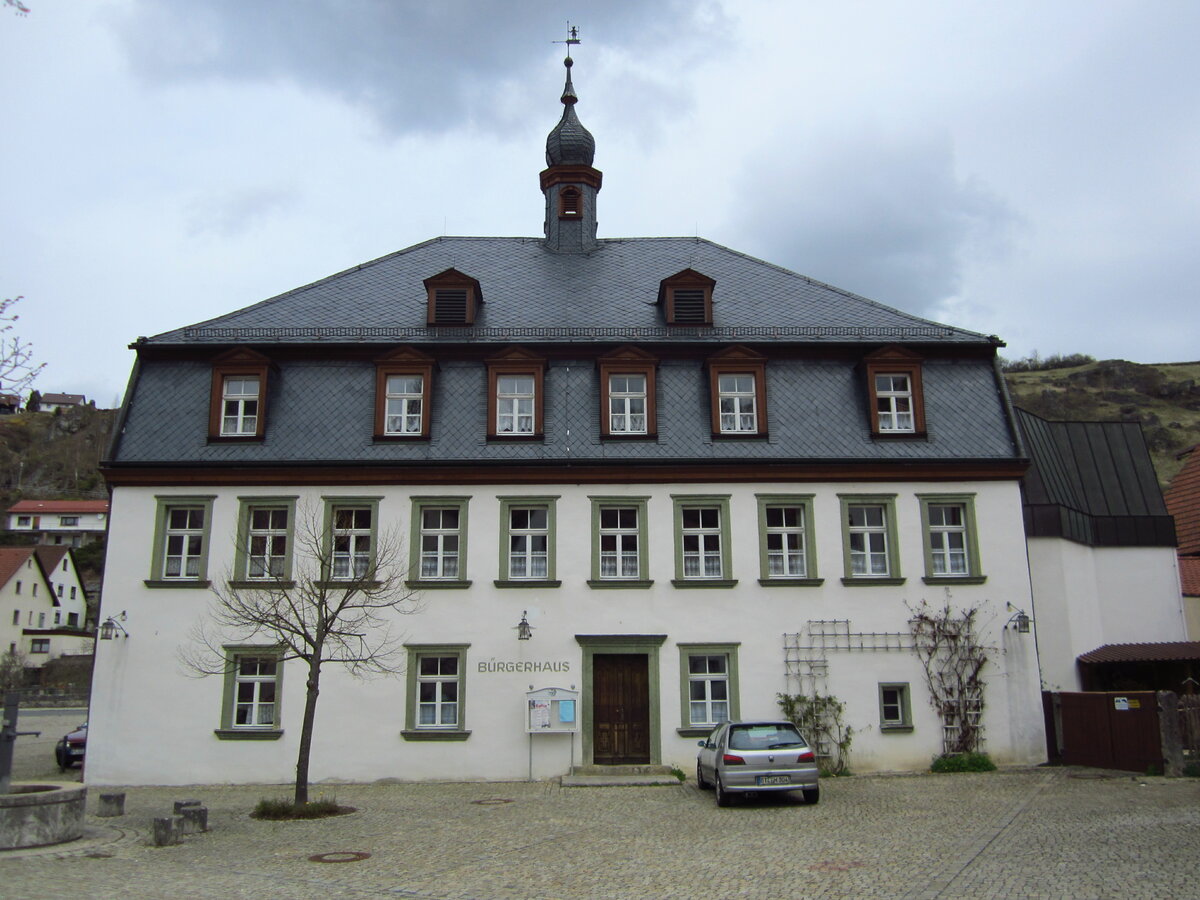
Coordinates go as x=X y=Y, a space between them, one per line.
x=757 y=756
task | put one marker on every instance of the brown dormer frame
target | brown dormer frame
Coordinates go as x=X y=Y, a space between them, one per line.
x=452 y=280
x=240 y=362
x=737 y=360
x=687 y=280
x=628 y=360
x=516 y=361
x=896 y=360
x=403 y=361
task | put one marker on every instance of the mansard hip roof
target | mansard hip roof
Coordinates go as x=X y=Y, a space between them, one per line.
x=538 y=295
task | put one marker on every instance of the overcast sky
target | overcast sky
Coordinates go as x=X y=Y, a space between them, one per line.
x=1026 y=169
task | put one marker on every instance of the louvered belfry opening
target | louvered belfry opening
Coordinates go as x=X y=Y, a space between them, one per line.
x=689 y=306
x=570 y=202
x=450 y=306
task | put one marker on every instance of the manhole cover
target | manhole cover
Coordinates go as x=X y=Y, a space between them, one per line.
x=492 y=801
x=339 y=856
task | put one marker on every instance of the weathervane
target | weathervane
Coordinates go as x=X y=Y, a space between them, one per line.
x=572 y=38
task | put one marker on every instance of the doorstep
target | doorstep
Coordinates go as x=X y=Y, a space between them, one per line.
x=610 y=776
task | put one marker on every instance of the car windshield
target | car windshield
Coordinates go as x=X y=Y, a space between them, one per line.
x=764 y=737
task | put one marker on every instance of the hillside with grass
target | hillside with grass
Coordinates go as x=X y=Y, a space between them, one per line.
x=1163 y=397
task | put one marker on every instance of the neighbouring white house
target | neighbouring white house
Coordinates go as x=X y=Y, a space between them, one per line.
x=71 y=523
x=1102 y=557
x=54 y=402
x=660 y=478
x=43 y=606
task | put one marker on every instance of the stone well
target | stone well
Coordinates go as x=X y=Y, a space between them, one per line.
x=34 y=815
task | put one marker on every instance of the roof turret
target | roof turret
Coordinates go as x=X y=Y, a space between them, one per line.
x=569 y=143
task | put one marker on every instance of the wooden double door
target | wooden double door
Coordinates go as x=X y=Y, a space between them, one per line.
x=620 y=709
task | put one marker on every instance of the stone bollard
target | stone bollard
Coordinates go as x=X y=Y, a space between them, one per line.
x=194 y=820
x=181 y=805
x=167 y=831
x=111 y=805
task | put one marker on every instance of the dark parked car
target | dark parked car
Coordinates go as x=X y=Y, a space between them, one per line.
x=70 y=748
x=757 y=756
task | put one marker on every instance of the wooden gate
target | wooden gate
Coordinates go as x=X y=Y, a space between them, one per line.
x=621 y=709
x=1106 y=730
x=1189 y=726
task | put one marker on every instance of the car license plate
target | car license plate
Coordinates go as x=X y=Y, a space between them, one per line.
x=773 y=779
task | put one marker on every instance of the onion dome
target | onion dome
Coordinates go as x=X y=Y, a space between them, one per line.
x=570 y=144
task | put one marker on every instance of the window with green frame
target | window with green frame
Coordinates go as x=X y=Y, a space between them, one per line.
x=251 y=694
x=437 y=543
x=527 y=542
x=181 y=542
x=870 y=549
x=702 y=552
x=787 y=553
x=895 y=712
x=435 y=704
x=708 y=687
x=619 y=550
x=265 y=541
x=351 y=538
x=951 y=542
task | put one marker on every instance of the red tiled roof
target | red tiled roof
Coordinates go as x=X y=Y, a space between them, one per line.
x=1189 y=575
x=1183 y=502
x=11 y=559
x=1172 y=650
x=59 y=506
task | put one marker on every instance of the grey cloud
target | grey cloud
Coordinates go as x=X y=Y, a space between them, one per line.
x=236 y=212
x=885 y=218
x=419 y=66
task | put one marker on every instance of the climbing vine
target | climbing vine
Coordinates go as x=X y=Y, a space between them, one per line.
x=948 y=645
x=820 y=719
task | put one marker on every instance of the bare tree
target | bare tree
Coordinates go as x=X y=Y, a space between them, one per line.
x=338 y=605
x=17 y=371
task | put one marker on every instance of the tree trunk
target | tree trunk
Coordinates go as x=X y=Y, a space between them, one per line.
x=312 y=691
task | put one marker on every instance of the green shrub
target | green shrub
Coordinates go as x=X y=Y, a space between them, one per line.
x=963 y=762
x=286 y=809
x=1191 y=770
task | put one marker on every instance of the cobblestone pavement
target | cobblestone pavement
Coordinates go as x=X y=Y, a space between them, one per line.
x=1041 y=833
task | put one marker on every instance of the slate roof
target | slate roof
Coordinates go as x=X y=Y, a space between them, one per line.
x=534 y=295
x=322 y=410
x=1093 y=483
x=1183 y=502
x=1148 y=652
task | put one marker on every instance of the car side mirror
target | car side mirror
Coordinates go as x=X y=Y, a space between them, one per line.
x=701 y=743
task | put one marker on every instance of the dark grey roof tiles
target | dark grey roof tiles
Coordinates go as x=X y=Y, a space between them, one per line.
x=533 y=295
x=323 y=411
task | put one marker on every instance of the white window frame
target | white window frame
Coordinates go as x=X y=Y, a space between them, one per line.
x=702 y=679
x=626 y=541
x=271 y=561
x=737 y=406
x=627 y=406
x=707 y=539
x=889 y=398
x=184 y=534
x=404 y=407
x=239 y=407
x=68 y=521
x=437 y=703
x=786 y=535
x=352 y=546
x=259 y=684
x=942 y=535
x=514 y=405
x=440 y=535
x=865 y=550
x=525 y=560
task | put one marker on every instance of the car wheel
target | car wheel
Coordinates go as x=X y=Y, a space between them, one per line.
x=812 y=795
x=724 y=798
x=700 y=782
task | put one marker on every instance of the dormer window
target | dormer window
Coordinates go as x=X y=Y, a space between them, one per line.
x=570 y=203
x=515 y=395
x=895 y=395
x=738 y=392
x=237 y=406
x=403 y=380
x=686 y=298
x=453 y=299
x=627 y=392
